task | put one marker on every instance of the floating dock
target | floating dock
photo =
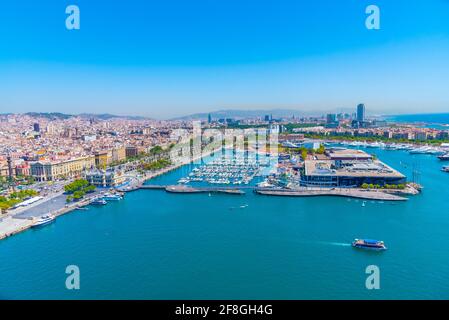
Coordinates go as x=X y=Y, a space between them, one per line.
x=188 y=189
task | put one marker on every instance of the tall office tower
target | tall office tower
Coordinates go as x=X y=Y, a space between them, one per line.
x=331 y=118
x=36 y=127
x=361 y=112
x=209 y=118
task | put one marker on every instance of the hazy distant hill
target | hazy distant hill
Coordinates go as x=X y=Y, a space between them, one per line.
x=61 y=116
x=238 y=114
x=277 y=113
x=49 y=115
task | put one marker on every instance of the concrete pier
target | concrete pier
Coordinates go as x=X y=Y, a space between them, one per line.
x=351 y=193
x=299 y=192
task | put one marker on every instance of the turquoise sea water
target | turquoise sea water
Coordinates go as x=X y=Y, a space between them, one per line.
x=156 y=245
x=432 y=120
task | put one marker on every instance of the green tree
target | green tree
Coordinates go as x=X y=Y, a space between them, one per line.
x=4 y=206
x=78 y=195
x=321 y=149
x=303 y=153
x=156 y=150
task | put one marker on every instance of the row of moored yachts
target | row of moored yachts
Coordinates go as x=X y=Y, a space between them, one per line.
x=442 y=152
x=225 y=171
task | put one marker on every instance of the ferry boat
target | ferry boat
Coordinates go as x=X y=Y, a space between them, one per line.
x=112 y=197
x=44 y=220
x=369 y=244
x=100 y=202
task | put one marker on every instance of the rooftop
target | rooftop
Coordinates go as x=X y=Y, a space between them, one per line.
x=347 y=154
x=364 y=168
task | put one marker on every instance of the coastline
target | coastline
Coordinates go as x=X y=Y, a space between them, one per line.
x=9 y=225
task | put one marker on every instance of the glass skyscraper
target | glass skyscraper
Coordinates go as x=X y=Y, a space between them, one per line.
x=361 y=112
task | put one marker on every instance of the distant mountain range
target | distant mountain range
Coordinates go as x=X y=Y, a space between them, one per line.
x=62 y=116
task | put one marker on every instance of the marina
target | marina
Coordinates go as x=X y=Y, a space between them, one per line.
x=228 y=169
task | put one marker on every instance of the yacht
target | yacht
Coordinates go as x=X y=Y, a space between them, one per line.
x=44 y=220
x=99 y=202
x=376 y=144
x=369 y=244
x=420 y=150
x=444 y=157
x=445 y=169
x=392 y=146
x=112 y=197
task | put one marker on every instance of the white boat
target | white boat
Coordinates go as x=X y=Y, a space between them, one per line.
x=426 y=150
x=99 y=201
x=44 y=220
x=375 y=145
x=392 y=146
x=112 y=197
x=420 y=150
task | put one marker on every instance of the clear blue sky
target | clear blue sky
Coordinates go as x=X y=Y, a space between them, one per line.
x=174 y=57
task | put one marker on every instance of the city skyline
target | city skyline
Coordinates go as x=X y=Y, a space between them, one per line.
x=170 y=60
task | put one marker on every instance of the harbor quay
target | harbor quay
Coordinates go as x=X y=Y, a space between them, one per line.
x=297 y=192
x=341 y=192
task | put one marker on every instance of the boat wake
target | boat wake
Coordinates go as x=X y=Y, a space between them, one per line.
x=338 y=244
x=240 y=207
